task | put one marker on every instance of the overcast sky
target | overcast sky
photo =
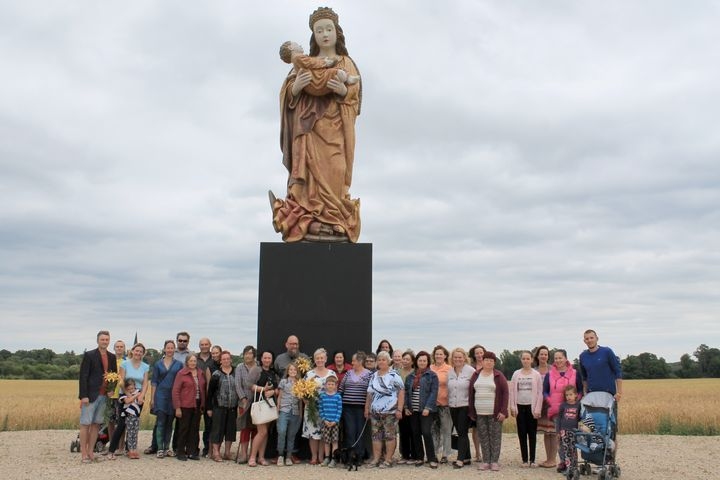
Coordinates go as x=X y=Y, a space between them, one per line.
x=527 y=170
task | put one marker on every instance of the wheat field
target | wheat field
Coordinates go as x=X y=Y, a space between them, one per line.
x=677 y=407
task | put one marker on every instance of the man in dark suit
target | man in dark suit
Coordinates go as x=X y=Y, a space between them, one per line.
x=95 y=364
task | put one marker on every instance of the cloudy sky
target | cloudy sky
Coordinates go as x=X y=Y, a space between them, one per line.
x=527 y=170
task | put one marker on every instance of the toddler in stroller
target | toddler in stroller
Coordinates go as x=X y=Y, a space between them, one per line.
x=596 y=439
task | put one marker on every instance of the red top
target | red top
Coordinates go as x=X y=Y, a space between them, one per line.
x=184 y=390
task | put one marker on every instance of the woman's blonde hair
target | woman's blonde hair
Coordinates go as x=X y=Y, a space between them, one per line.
x=460 y=351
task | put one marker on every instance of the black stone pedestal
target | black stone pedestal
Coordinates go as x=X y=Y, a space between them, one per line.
x=321 y=292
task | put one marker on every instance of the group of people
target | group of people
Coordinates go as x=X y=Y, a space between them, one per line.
x=370 y=405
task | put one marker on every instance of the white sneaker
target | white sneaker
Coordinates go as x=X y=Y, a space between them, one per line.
x=281 y=461
x=288 y=462
x=331 y=464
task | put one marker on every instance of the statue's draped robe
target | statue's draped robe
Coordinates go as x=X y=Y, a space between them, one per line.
x=317 y=139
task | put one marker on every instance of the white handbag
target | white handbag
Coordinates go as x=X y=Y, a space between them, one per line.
x=263 y=410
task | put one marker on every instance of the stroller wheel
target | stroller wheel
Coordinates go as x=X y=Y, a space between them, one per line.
x=616 y=471
x=99 y=447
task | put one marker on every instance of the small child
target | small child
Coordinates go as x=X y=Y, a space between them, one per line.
x=289 y=418
x=319 y=68
x=330 y=410
x=566 y=423
x=131 y=411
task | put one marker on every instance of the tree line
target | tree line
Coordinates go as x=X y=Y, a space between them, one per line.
x=44 y=364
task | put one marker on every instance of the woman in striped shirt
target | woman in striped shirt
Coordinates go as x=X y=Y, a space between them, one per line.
x=353 y=389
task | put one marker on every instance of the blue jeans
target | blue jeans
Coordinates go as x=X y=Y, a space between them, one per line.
x=163 y=430
x=287 y=428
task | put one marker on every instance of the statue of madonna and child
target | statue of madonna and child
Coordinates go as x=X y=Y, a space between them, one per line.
x=319 y=101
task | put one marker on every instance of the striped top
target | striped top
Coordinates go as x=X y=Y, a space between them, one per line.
x=353 y=387
x=330 y=407
x=131 y=409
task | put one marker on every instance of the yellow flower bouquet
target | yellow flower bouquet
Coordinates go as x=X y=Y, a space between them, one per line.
x=303 y=366
x=308 y=391
x=111 y=382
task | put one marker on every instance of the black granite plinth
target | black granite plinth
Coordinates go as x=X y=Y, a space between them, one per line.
x=321 y=292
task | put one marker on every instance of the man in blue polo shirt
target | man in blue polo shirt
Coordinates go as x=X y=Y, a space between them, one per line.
x=600 y=367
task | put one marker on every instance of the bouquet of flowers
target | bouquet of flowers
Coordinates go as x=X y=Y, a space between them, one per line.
x=303 y=366
x=307 y=390
x=111 y=382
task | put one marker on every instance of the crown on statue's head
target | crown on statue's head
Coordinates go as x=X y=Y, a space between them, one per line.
x=322 y=13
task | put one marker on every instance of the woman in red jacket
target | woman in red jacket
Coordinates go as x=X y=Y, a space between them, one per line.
x=188 y=396
x=488 y=406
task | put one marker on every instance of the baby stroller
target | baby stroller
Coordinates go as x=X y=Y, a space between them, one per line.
x=102 y=440
x=598 y=446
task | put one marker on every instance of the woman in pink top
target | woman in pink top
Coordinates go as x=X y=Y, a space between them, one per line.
x=442 y=428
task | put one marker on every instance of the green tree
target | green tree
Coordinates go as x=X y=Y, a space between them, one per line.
x=708 y=361
x=688 y=367
x=508 y=362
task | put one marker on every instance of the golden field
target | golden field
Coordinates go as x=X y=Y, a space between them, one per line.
x=44 y=404
x=678 y=407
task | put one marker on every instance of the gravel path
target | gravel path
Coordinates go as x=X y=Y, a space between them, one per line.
x=46 y=454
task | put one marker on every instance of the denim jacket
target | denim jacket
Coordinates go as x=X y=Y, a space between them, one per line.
x=428 y=390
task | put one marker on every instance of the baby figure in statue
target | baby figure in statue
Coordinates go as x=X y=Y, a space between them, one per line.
x=320 y=69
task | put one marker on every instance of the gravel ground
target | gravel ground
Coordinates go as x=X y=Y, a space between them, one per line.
x=46 y=454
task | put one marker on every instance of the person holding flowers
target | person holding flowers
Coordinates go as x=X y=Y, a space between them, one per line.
x=311 y=426
x=95 y=365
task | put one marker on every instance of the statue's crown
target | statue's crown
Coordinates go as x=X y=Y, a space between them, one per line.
x=322 y=13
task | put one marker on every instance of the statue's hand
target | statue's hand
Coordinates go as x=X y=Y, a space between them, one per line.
x=301 y=81
x=337 y=86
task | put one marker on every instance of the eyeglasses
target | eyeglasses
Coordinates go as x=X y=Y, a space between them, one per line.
x=182 y=341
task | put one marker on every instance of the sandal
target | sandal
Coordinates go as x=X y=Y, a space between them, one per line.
x=372 y=464
x=251 y=463
x=217 y=458
x=419 y=463
x=169 y=453
x=433 y=465
x=458 y=464
x=110 y=456
x=263 y=462
x=385 y=464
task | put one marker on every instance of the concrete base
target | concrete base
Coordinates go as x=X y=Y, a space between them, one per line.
x=321 y=292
